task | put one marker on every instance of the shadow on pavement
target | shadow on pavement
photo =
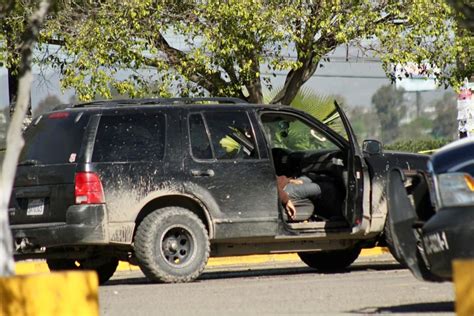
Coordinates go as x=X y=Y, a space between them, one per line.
x=127 y=281
x=435 y=307
x=259 y=272
x=255 y=271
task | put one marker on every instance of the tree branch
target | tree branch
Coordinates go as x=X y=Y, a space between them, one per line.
x=211 y=82
x=229 y=69
x=15 y=140
x=297 y=77
x=6 y=8
x=309 y=59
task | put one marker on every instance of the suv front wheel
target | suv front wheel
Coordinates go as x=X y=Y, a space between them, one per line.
x=172 y=245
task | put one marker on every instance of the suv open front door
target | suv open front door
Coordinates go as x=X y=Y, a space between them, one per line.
x=307 y=144
x=356 y=172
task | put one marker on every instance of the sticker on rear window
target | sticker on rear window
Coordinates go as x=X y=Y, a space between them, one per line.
x=72 y=157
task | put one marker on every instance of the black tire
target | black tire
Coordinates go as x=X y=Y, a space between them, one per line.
x=330 y=261
x=387 y=233
x=105 y=269
x=62 y=264
x=172 y=245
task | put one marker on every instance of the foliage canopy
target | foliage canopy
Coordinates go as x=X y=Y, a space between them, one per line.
x=231 y=48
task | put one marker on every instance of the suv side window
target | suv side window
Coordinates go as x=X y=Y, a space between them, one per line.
x=232 y=135
x=200 y=145
x=130 y=137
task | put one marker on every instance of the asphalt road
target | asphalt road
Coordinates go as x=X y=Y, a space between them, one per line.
x=370 y=286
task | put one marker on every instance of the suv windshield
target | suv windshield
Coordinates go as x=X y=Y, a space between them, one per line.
x=54 y=139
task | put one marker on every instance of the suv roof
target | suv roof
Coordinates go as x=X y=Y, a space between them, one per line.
x=154 y=101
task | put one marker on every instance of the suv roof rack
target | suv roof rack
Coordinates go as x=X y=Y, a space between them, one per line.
x=151 y=101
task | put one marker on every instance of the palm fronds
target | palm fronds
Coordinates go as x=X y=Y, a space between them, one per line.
x=319 y=106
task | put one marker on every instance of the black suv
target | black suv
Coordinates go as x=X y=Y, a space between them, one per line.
x=165 y=183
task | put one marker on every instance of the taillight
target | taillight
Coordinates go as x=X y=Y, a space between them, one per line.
x=88 y=188
x=58 y=115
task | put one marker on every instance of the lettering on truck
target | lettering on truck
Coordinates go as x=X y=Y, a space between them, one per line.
x=436 y=243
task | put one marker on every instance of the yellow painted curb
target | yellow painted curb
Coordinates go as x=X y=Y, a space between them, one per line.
x=464 y=286
x=29 y=267
x=251 y=259
x=58 y=293
x=125 y=266
x=374 y=251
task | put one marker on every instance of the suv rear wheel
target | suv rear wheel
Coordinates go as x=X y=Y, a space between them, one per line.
x=104 y=267
x=61 y=264
x=330 y=261
x=172 y=245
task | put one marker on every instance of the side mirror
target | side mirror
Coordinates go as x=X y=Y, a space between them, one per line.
x=372 y=147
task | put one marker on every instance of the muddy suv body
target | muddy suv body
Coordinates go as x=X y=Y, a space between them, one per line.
x=167 y=183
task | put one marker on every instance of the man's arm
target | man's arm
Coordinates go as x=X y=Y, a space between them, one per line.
x=290 y=210
x=282 y=181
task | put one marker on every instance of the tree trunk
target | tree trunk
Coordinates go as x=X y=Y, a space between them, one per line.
x=254 y=87
x=309 y=58
x=255 y=94
x=13 y=81
x=467 y=13
x=12 y=44
x=295 y=79
x=14 y=137
x=12 y=86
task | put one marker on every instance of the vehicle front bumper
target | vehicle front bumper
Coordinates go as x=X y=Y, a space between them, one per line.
x=448 y=236
x=85 y=225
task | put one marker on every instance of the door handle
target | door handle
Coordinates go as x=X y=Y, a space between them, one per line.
x=202 y=173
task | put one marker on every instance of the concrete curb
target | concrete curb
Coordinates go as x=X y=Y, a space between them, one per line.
x=40 y=266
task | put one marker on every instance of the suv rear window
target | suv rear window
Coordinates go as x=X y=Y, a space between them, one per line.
x=54 y=139
x=130 y=137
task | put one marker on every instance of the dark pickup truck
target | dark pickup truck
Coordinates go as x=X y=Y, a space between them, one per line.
x=432 y=213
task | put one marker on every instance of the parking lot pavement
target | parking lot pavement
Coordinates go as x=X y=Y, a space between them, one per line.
x=372 y=285
x=256 y=265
